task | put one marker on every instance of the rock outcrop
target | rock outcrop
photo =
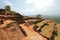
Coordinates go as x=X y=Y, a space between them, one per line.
x=13 y=26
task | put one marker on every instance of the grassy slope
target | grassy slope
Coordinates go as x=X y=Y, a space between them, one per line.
x=45 y=30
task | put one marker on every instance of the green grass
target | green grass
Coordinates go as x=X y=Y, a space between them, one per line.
x=46 y=30
x=40 y=24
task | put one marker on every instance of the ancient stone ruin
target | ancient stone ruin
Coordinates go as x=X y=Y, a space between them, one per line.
x=13 y=26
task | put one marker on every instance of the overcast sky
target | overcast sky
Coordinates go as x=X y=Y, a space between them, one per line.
x=33 y=7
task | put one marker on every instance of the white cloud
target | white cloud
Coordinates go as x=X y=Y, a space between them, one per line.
x=39 y=4
x=30 y=1
x=7 y=2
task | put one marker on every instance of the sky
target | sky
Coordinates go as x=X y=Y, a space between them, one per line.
x=33 y=7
